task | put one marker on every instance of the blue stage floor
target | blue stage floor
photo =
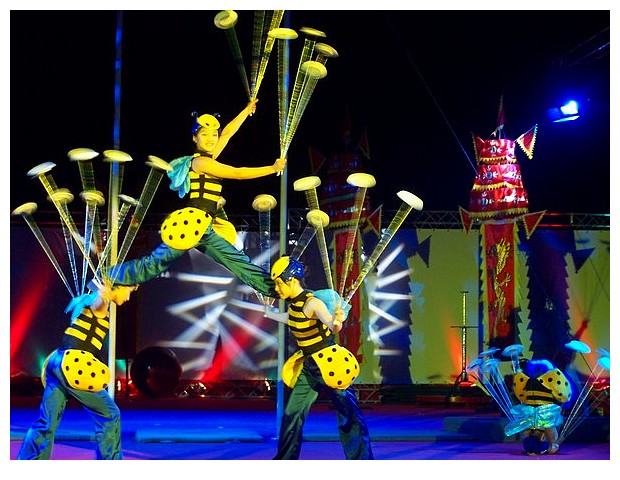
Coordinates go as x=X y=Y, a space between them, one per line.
x=245 y=429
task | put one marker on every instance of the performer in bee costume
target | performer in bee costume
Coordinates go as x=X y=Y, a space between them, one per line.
x=75 y=371
x=203 y=224
x=542 y=389
x=319 y=364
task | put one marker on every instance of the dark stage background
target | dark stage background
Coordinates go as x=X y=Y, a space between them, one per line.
x=418 y=82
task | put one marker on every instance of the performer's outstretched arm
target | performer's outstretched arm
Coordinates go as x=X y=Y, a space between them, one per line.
x=233 y=126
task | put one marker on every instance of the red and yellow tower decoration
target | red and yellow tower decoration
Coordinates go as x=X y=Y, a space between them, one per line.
x=499 y=202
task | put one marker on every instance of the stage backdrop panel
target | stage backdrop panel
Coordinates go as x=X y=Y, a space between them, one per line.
x=410 y=333
x=437 y=306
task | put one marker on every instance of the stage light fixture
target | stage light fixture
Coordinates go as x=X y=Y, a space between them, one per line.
x=567 y=112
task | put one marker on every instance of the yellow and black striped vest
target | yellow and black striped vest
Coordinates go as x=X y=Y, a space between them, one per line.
x=87 y=332
x=204 y=192
x=310 y=334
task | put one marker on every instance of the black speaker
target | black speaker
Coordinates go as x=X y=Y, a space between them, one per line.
x=156 y=371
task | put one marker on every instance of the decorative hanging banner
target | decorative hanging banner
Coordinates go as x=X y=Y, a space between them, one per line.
x=531 y=221
x=466 y=219
x=317 y=159
x=362 y=146
x=373 y=222
x=498 y=243
x=424 y=251
x=527 y=141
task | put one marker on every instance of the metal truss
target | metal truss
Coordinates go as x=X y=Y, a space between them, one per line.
x=425 y=219
x=228 y=389
x=366 y=393
x=438 y=220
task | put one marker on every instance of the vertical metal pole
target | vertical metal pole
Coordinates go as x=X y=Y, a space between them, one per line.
x=464 y=339
x=282 y=306
x=283 y=243
x=113 y=200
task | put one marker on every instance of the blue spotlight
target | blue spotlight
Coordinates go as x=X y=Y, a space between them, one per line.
x=567 y=112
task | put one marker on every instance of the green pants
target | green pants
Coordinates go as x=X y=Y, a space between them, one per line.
x=159 y=260
x=351 y=423
x=39 y=440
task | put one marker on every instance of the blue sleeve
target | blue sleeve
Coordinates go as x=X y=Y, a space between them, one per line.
x=332 y=299
x=179 y=175
x=79 y=303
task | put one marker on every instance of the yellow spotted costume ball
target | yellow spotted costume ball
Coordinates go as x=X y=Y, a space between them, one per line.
x=184 y=228
x=339 y=367
x=550 y=387
x=84 y=372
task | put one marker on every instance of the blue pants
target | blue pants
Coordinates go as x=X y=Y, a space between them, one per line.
x=39 y=440
x=351 y=423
